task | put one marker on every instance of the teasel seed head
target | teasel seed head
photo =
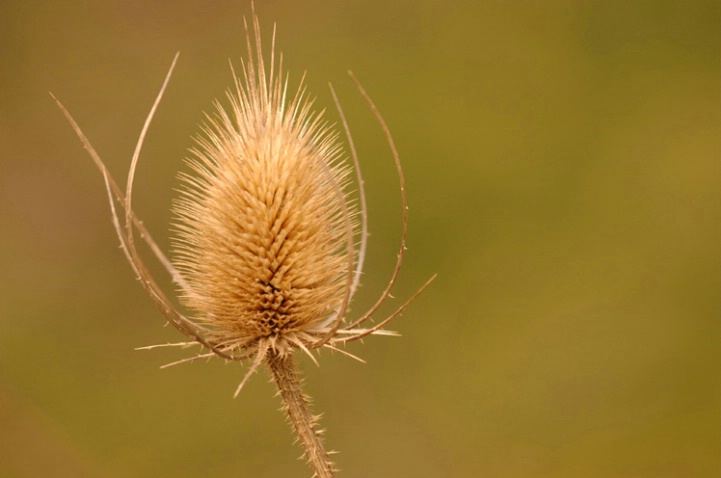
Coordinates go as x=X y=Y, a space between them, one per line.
x=263 y=222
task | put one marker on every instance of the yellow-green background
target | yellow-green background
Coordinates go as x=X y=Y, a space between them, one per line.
x=564 y=178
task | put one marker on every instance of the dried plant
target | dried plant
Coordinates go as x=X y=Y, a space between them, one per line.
x=266 y=232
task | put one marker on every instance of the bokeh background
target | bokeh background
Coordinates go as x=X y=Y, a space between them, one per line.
x=563 y=173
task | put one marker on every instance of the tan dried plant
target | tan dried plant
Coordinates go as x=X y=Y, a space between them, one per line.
x=266 y=233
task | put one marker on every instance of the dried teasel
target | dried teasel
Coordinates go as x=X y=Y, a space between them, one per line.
x=266 y=232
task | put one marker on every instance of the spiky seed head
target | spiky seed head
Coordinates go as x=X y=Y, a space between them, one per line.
x=263 y=221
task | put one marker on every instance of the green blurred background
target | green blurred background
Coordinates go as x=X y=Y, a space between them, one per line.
x=563 y=173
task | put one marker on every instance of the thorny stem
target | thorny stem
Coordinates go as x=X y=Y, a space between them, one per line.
x=295 y=404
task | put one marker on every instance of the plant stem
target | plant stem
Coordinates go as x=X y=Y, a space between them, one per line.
x=296 y=405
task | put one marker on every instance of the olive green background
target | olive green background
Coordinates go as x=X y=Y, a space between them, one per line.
x=563 y=171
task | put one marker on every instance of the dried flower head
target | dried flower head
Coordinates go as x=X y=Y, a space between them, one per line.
x=266 y=233
x=265 y=236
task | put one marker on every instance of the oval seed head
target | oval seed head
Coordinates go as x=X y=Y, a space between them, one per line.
x=263 y=224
